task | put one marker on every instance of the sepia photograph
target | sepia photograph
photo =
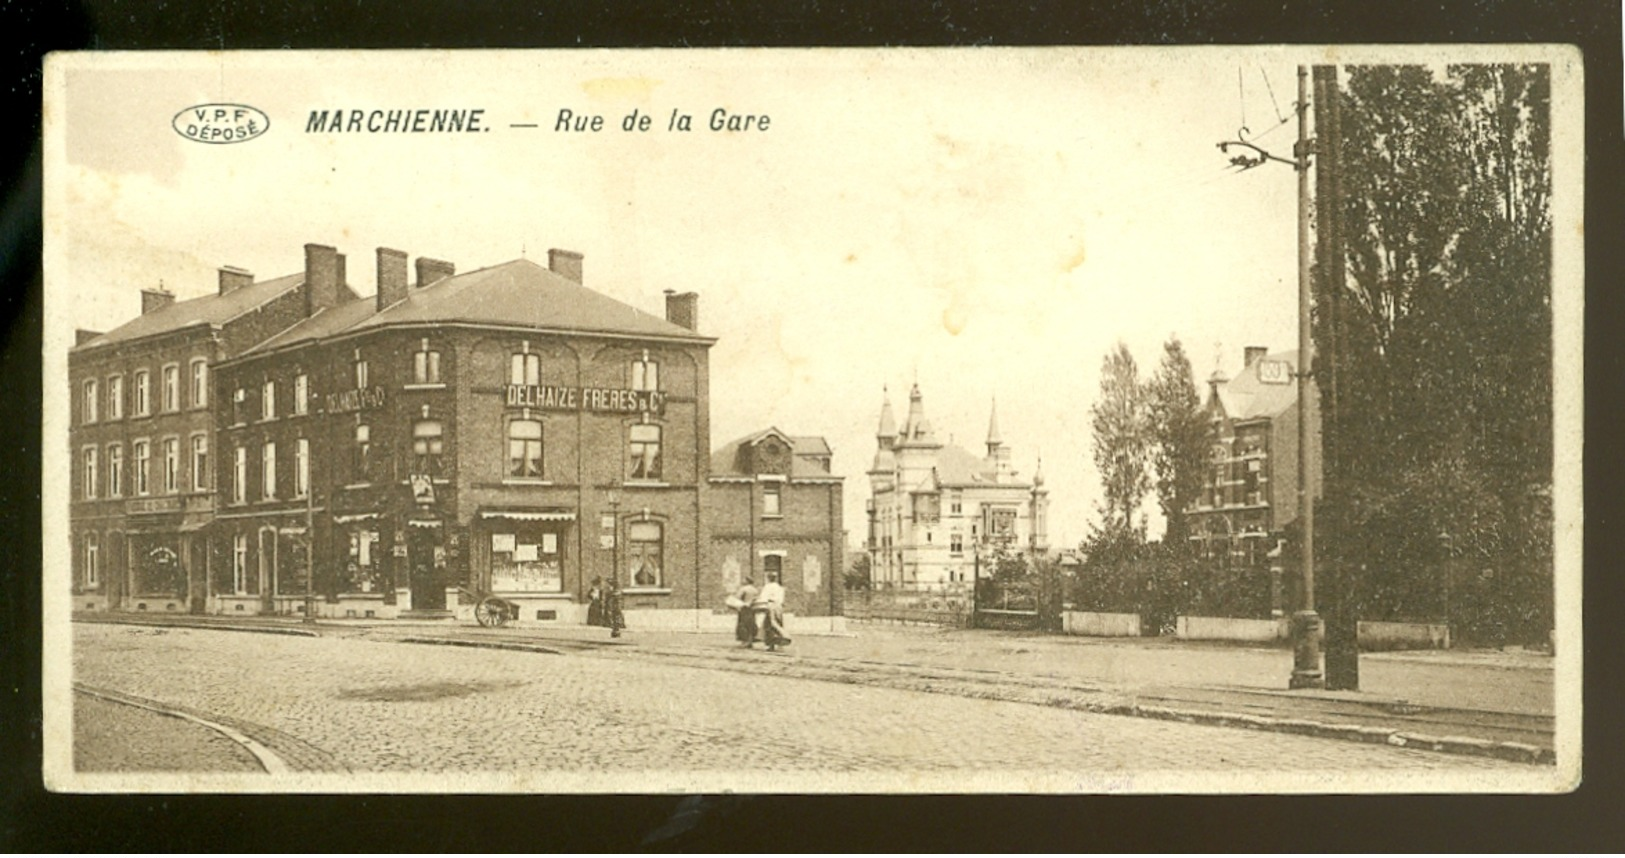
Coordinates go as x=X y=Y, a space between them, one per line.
x=950 y=420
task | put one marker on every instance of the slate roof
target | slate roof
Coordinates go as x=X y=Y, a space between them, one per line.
x=956 y=468
x=519 y=293
x=727 y=461
x=1246 y=398
x=213 y=310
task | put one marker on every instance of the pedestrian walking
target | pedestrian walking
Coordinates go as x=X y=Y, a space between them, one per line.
x=614 y=618
x=595 y=603
x=768 y=609
x=743 y=602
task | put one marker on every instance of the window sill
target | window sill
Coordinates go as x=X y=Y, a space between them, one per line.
x=768 y=517
x=522 y=481
x=264 y=420
x=425 y=385
x=365 y=485
x=646 y=591
x=646 y=484
x=532 y=594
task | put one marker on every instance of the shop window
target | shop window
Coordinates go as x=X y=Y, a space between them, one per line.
x=268 y=470
x=645 y=564
x=143 y=456
x=200 y=463
x=239 y=476
x=361 y=455
x=362 y=572
x=143 y=394
x=172 y=388
x=525 y=368
x=645 y=374
x=770 y=500
x=200 y=383
x=301 y=468
x=427 y=445
x=115 y=470
x=426 y=365
x=525 y=448
x=172 y=465
x=301 y=394
x=239 y=563
x=268 y=401
x=645 y=443
x=88 y=414
x=90 y=473
x=93 y=560
x=115 y=397
x=526 y=560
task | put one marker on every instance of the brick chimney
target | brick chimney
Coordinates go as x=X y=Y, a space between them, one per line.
x=324 y=271
x=431 y=271
x=1251 y=354
x=391 y=276
x=153 y=300
x=84 y=335
x=233 y=278
x=683 y=309
x=565 y=263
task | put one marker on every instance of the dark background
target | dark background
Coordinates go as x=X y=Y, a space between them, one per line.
x=31 y=819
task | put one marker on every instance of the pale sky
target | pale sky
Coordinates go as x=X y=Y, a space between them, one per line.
x=987 y=221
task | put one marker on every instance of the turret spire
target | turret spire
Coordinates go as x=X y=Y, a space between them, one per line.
x=888 y=426
x=993 y=439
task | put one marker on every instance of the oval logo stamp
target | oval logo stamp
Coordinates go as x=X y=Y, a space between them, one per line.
x=221 y=123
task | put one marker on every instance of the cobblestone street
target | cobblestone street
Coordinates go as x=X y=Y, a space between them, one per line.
x=374 y=706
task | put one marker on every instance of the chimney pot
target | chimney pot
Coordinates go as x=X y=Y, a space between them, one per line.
x=233 y=278
x=1252 y=353
x=683 y=309
x=431 y=271
x=391 y=276
x=153 y=300
x=565 y=263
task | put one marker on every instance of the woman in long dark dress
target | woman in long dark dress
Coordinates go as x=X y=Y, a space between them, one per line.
x=595 y=603
x=613 y=616
x=745 y=626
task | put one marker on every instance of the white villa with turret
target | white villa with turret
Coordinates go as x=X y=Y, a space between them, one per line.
x=933 y=505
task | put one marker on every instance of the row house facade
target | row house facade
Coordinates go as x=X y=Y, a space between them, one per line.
x=935 y=507
x=142 y=441
x=1250 y=488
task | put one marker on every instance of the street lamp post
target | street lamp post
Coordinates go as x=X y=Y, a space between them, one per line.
x=1448 y=543
x=976 y=581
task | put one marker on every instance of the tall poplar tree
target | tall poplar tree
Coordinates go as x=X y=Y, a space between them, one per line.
x=1121 y=441
x=1179 y=437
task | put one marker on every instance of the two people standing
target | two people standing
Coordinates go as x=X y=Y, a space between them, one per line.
x=760 y=612
x=604 y=607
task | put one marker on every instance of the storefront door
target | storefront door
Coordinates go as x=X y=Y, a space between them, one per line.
x=426 y=579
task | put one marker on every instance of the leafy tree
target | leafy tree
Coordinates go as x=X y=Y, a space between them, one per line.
x=857 y=577
x=1179 y=436
x=1121 y=441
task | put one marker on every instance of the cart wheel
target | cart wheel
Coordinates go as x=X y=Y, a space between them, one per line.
x=491 y=612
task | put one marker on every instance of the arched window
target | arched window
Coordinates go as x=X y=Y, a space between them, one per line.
x=525 y=448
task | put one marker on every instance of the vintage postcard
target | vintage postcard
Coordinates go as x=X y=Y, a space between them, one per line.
x=1048 y=420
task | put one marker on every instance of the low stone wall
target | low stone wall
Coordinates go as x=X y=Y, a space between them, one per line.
x=1378 y=636
x=1230 y=629
x=1100 y=625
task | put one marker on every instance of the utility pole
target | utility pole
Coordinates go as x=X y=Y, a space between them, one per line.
x=1306 y=625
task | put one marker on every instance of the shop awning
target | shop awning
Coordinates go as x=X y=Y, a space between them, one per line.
x=529 y=514
x=423 y=522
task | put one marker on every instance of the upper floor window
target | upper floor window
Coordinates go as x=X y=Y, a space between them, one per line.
x=115 y=397
x=360 y=374
x=645 y=374
x=771 y=499
x=172 y=464
x=239 y=477
x=268 y=470
x=239 y=405
x=301 y=468
x=524 y=448
x=426 y=447
x=143 y=456
x=426 y=365
x=361 y=454
x=172 y=388
x=143 y=394
x=200 y=383
x=956 y=503
x=645 y=444
x=301 y=394
x=268 y=400
x=200 y=463
x=956 y=542
x=90 y=472
x=115 y=470
x=88 y=415
x=525 y=368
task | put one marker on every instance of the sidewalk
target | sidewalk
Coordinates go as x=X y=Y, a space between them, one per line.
x=1483 y=702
